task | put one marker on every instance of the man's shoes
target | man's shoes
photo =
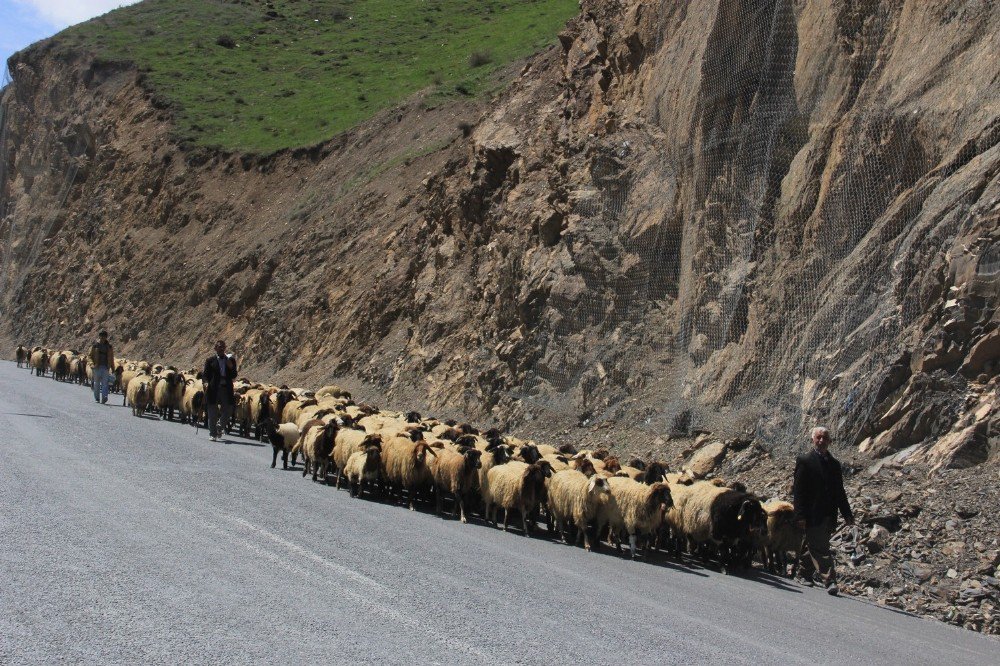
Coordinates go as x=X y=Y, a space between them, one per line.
x=96 y=400
x=213 y=438
x=104 y=401
x=806 y=580
x=832 y=589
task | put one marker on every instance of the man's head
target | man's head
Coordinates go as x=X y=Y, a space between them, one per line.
x=220 y=347
x=103 y=335
x=821 y=439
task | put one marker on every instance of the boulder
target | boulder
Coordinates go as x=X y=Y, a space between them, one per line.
x=983 y=352
x=704 y=461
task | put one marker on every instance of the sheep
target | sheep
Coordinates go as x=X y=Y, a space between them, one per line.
x=528 y=453
x=654 y=472
x=350 y=441
x=404 y=465
x=168 y=393
x=21 y=354
x=635 y=508
x=139 y=393
x=193 y=403
x=574 y=500
x=783 y=535
x=116 y=383
x=517 y=486
x=494 y=454
x=333 y=391
x=39 y=362
x=455 y=473
x=721 y=519
x=282 y=438
x=316 y=444
x=78 y=369
x=363 y=466
x=59 y=365
x=557 y=461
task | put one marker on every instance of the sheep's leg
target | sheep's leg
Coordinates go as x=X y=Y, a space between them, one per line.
x=437 y=503
x=340 y=475
x=274 y=458
x=631 y=544
x=524 y=522
x=284 y=458
x=412 y=497
x=461 y=507
x=305 y=467
x=586 y=539
x=455 y=508
x=506 y=515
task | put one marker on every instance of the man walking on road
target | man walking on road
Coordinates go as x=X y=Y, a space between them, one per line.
x=102 y=359
x=218 y=377
x=818 y=494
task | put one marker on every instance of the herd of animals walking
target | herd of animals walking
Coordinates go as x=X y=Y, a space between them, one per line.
x=588 y=496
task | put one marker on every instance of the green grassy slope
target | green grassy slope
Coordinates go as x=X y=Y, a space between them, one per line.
x=262 y=75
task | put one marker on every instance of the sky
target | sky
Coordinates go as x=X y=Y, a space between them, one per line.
x=23 y=22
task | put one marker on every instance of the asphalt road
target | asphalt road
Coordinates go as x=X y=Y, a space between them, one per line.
x=125 y=539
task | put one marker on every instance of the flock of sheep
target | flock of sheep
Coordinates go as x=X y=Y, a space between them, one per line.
x=588 y=496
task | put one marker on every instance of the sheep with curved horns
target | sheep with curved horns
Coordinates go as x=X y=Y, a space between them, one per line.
x=455 y=473
x=517 y=486
x=574 y=500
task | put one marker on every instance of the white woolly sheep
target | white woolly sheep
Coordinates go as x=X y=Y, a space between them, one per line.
x=404 y=465
x=455 y=473
x=517 y=486
x=634 y=508
x=363 y=466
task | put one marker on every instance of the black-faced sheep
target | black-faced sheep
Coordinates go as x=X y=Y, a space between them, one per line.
x=574 y=500
x=351 y=441
x=719 y=519
x=363 y=467
x=316 y=445
x=517 y=486
x=21 y=354
x=39 y=362
x=282 y=438
x=193 y=403
x=456 y=474
x=168 y=393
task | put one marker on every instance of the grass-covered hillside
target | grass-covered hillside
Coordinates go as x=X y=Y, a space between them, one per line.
x=262 y=75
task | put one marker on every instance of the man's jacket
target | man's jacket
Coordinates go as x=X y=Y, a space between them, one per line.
x=217 y=386
x=819 y=489
x=102 y=354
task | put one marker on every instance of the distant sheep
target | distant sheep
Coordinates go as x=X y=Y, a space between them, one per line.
x=39 y=362
x=139 y=394
x=21 y=354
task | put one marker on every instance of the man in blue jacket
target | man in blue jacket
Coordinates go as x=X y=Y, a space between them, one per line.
x=818 y=495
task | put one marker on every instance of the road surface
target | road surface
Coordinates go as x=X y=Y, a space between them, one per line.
x=126 y=540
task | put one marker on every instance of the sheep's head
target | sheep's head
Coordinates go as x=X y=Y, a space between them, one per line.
x=420 y=453
x=372 y=440
x=529 y=453
x=472 y=458
x=659 y=495
x=501 y=453
x=465 y=440
x=545 y=466
x=752 y=516
x=655 y=472
x=601 y=454
x=467 y=429
x=567 y=449
x=612 y=465
x=413 y=417
x=598 y=485
x=415 y=435
x=373 y=457
x=584 y=466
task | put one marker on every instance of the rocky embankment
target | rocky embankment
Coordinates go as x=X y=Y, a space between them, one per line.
x=711 y=215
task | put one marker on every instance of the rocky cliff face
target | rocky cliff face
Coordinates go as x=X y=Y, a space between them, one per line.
x=744 y=217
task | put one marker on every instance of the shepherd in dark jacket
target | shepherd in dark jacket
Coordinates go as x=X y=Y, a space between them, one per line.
x=218 y=376
x=818 y=495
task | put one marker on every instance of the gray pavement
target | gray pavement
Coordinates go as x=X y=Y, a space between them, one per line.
x=125 y=539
